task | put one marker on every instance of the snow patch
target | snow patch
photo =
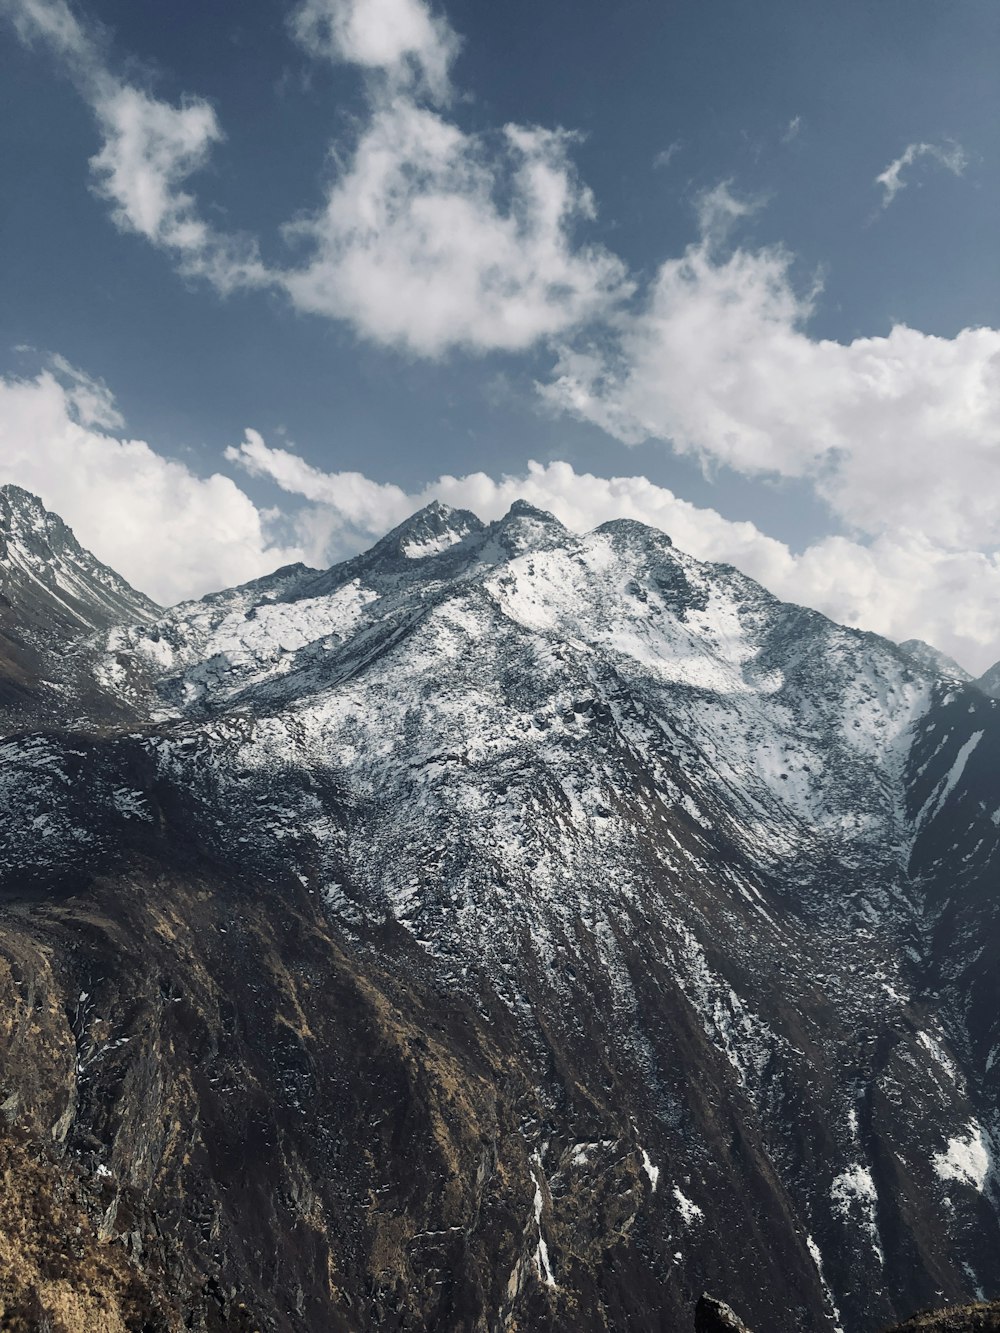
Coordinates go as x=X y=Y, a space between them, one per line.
x=653 y=1172
x=817 y=1259
x=967 y=1159
x=688 y=1210
x=855 y=1199
x=541 y=1250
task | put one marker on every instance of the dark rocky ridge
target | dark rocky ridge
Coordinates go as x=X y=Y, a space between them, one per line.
x=523 y=932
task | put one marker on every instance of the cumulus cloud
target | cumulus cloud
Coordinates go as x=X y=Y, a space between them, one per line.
x=900 y=585
x=400 y=39
x=949 y=155
x=433 y=238
x=897 y=432
x=170 y=532
x=429 y=237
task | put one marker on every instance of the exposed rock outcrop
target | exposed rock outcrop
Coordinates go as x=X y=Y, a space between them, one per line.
x=714 y=1316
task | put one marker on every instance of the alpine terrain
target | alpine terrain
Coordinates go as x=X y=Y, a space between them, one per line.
x=505 y=929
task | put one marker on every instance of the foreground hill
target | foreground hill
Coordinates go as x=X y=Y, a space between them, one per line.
x=504 y=929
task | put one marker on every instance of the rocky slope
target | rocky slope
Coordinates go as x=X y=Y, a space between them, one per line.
x=52 y=591
x=502 y=930
x=933 y=661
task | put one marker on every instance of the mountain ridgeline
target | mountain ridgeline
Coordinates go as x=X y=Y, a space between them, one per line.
x=505 y=929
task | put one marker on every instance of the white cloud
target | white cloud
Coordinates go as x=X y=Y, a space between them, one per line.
x=433 y=238
x=900 y=585
x=55 y=24
x=665 y=156
x=401 y=39
x=897 y=433
x=358 y=506
x=949 y=155
x=170 y=532
x=90 y=402
x=792 y=130
x=150 y=150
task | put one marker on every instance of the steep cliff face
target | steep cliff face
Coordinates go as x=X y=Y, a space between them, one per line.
x=508 y=929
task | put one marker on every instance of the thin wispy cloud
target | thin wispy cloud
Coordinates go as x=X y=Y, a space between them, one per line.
x=792 y=130
x=951 y=156
x=718 y=209
x=666 y=155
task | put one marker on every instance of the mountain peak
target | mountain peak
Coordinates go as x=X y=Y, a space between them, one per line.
x=23 y=516
x=524 y=509
x=932 y=659
x=526 y=528
x=989 y=681
x=49 y=579
x=18 y=495
x=429 y=532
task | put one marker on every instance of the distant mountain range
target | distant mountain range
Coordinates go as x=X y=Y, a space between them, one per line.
x=505 y=929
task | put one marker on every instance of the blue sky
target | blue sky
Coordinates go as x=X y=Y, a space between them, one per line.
x=354 y=227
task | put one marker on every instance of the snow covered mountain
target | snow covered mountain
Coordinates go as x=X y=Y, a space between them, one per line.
x=51 y=592
x=511 y=929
